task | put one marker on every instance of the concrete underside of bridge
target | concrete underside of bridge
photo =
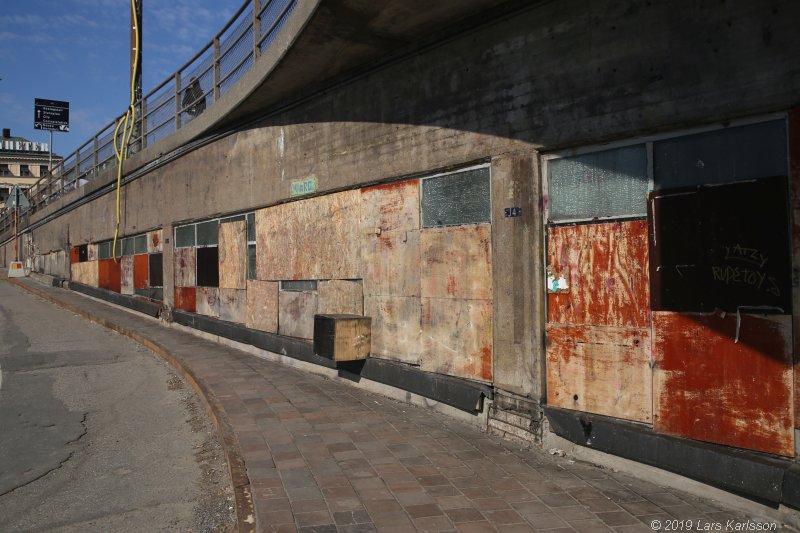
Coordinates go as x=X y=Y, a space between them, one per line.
x=360 y=95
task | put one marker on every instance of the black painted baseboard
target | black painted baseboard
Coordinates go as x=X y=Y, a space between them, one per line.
x=765 y=478
x=459 y=393
x=137 y=303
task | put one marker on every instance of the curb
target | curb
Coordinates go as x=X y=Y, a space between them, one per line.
x=242 y=493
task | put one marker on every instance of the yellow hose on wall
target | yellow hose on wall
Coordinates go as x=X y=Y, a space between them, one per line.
x=130 y=118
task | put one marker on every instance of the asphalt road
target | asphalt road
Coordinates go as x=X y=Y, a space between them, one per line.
x=97 y=433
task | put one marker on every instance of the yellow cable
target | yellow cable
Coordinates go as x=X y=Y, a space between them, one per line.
x=130 y=117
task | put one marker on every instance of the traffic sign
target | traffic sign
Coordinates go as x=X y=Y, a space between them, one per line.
x=50 y=115
x=17 y=199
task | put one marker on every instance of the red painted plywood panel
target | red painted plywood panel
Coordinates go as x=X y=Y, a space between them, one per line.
x=186 y=299
x=110 y=275
x=600 y=369
x=74 y=255
x=605 y=265
x=709 y=387
x=140 y=271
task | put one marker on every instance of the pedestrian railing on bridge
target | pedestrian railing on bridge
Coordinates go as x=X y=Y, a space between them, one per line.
x=173 y=104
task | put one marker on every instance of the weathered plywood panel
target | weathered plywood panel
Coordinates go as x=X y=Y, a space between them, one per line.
x=154 y=244
x=457 y=337
x=391 y=263
x=340 y=296
x=141 y=266
x=606 y=269
x=126 y=274
x=396 y=332
x=186 y=299
x=185 y=267
x=86 y=273
x=296 y=312
x=709 y=387
x=208 y=301
x=390 y=207
x=233 y=255
x=317 y=238
x=601 y=370
x=456 y=262
x=91 y=252
x=110 y=275
x=262 y=305
x=233 y=305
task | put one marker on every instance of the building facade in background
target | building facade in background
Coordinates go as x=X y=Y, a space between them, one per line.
x=22 y=162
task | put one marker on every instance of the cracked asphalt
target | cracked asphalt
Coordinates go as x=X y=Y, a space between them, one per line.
x=97 y=433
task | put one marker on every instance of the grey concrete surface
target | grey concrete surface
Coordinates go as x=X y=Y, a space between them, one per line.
x=97 y=433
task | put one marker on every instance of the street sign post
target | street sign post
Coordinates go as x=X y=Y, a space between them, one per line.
x=50 y=115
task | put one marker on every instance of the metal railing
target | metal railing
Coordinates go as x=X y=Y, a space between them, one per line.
x=173 y=104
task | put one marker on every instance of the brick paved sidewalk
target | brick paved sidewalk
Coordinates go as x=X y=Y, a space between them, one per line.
x=327 y=457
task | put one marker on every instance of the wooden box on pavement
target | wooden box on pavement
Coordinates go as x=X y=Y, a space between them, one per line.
x=342 y=337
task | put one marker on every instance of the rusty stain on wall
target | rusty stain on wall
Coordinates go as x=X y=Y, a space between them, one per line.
x=607 y=268
x=186 y=299
x=141 y=265
x=185 y=267
x=315 y=238
x=601 y=370
x=262 y=305
x=340 y=296
x=233 y=255
x=396 y=332
x=710 y=388
x=86 y=273
x=296 y=310
x=208 y=301
x=126 y=274
x=456 y=262
x=457 y=337
x=233 y=305
x=154 y=244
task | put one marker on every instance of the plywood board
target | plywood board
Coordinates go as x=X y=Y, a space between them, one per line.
x=207 y=301
x=185 y=267
x=86 y=273
x=606 y=269
x=601 y=370
x=91 y=252
x=340 y=296
x=154 y=244
x=457 y=337
x=396 y=332
x=186 y=299
x=141 y=267
x=74 y=254
x=126 y=274
x=233 y=255
x=392 y=263
x=233 y=305
x=456 y=262
x=315 y=238
x=110 y=274
x=390 y=207
x=718 y=382
x=296 y=312
x=262 y=305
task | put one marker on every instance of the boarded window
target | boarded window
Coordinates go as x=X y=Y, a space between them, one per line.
x=721 y=156
x=140 y=244
x=611 y=183
x=208 y=267
x=457 y=198
x=83 y=253
x=208 y=233
x=299 y=285
x=156 y=265
x=184 y=236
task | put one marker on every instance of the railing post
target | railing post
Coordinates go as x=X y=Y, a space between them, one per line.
x=256 y=28
x=77 y=167
x=177 y=100
x=216 y=69
x=95 y=157
x=143 y=111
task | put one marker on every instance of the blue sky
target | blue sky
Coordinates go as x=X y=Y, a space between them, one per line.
x=77 y=50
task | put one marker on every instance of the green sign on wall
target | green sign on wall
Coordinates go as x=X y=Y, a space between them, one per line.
x=304 y=186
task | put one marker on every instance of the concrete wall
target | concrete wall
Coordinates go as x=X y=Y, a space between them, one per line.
x=558 y=75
